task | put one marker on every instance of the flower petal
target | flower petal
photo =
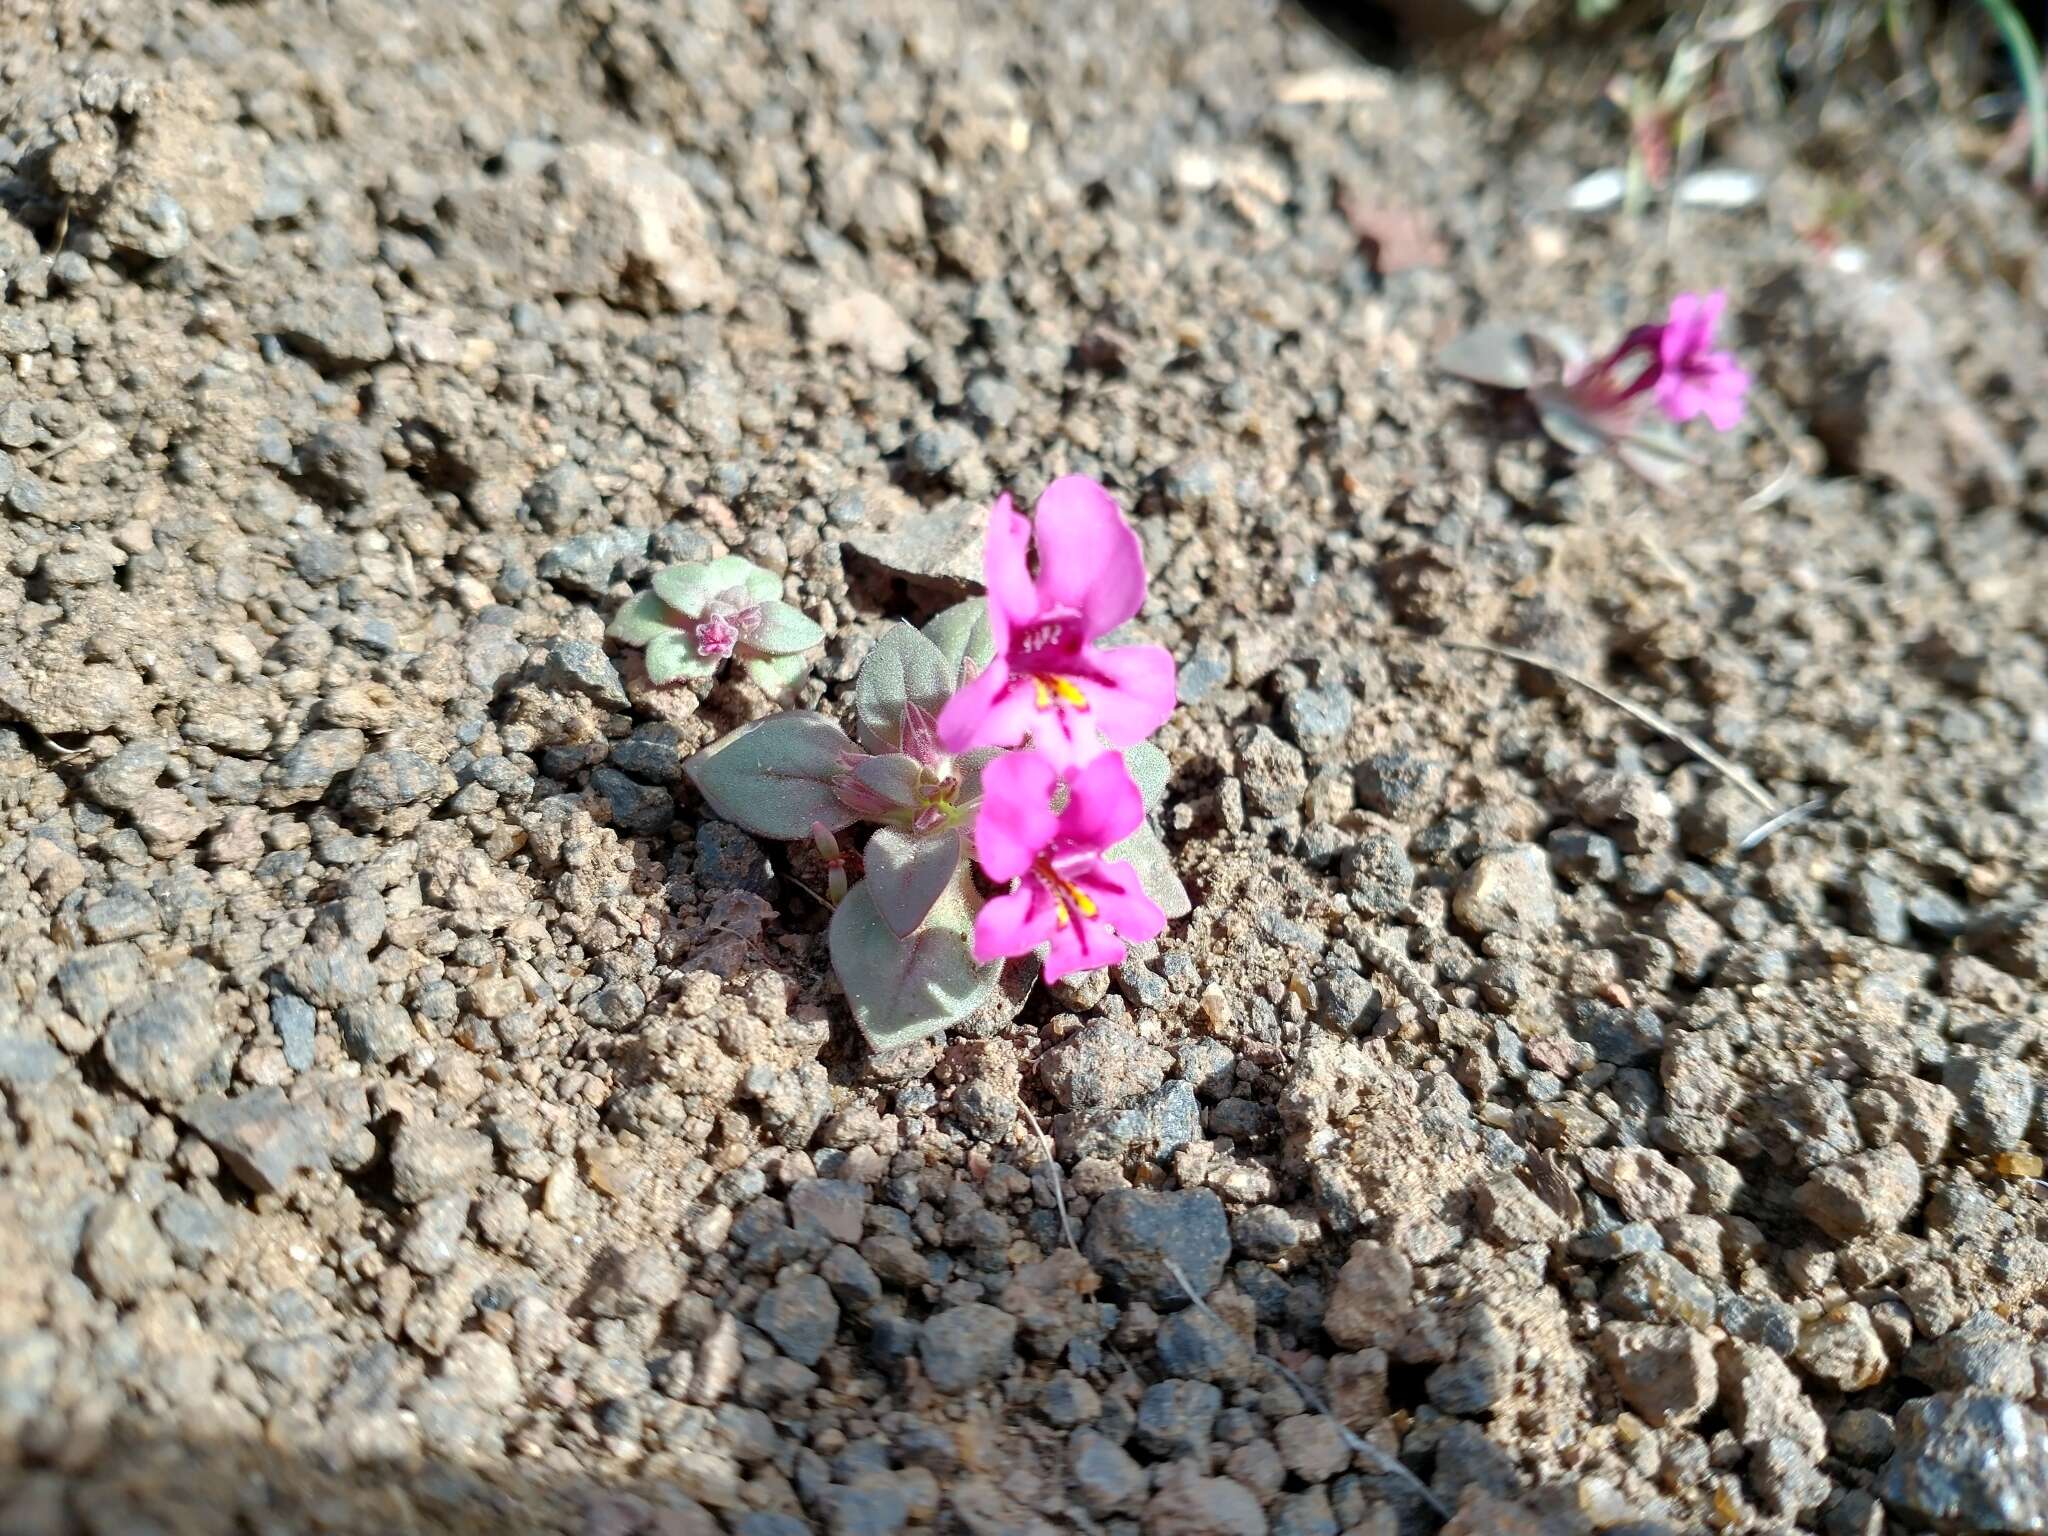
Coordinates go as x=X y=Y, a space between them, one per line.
x=1081 y=945
x=1012 y=597
x=1104 y=805
x=671 y=658
x=1131 y=692
x=1015 y=822
x=1066 y=738
x=1089 y=558
x=783 y=630
x=1014 y=923
x=1120 y=897
x=983 y=711
x=640 y=620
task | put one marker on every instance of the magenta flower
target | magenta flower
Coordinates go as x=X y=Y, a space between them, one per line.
x=1691 y=378
x=1067 y=897
x=1049 y=683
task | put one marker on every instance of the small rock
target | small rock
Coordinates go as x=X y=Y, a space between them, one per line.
x=634 y=807
x=1175 y=1417
x=1507 y=890
x=1317 y=718
x=292 y=1017
x=164 y=1047
x=385 y=781
x=123 y=779
x=1394 y=783
x=581 y=667
x=125 y=1256
x=1373 y=1298
x=1134 y=1233
x=729 y=860
x=430 y=1157
x=1102 y=1063
x=1995 y=1098
x=1104 y=1475
x=1871 y=1192
x=1969 y=1463
x=376 y=1032
x=800 y=1315
x=341 y=328
x=1762 y=1400
x=589 y=563
x=342 y=462
x=1378 y=876
x=967 y=1346
x=264 y=1139
x=1665 y=1373
x=1841 y=1349
x=1273 y=772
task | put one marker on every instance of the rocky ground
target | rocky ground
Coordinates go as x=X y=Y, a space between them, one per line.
x=417 y=1116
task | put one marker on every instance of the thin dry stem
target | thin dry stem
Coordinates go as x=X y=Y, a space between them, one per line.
x=1059 y=1194
x=1726 y=767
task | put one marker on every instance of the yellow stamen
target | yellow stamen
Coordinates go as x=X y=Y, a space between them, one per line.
x=1049 y=688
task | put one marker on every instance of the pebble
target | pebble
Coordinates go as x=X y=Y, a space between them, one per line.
x=634 y=807
x=123 y=779
x=581 y=667
x=431 y=1157
x=1666 y=1373
x=1969 y=1463
x=1102 y=1063
x=1105 y=1476
x=1395 y=783
x=376 y=1032
x=1507 y=891
x=164 y=1048
x=800 y=1315
x=589 y=563
x=1995 y=1101
x=1273 y=772
x=342 y=327
x=385 y=781
x=125 y=1256
x=264 y=1139
x=1317 y=718
x=329 y=975
x=864 y=1511
x=1871 y=1192
x=967 y=1346
x=292 y=1017
x=1378 y=875
x=1175 y=1417
x=94 y=982
x=342 y=462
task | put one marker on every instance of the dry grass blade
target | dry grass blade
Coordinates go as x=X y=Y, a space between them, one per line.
x=1059 y=1194
x=1727 y=768
x=1357 y=1442
x=1764 y=829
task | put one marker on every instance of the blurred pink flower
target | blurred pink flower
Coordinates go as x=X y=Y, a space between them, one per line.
x=1049 y=683
x=1067 y=896
x=1691 y=377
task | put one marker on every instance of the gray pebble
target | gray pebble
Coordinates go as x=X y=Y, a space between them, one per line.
x=635 y=807
x=581 y=667
x=729 y=860
x=1133 y=1233
x=430 y=1158
x=1969 y=1463
x=292 y=1017
x=264 y=1139
x=1175 y=1417
x=591 y=562
x=164 y=1048
x=800 y=1315
x=967 y=1346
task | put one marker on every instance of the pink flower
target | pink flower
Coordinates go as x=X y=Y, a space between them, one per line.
x=1049 y=682
x=1691 y=378
x=1067 y=897
x=717 y=635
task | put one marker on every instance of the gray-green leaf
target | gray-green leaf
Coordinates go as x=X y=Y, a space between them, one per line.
x=672 y=658
x=1655 y=453
x=907 y=873
x=775 y=675
x=774 y=777
x=1511 y=356
x=902 y=666
x=962 y=634
x=1147 y=855
x=1565 y=424
x=904 y=989
x=644 y=618
x=783 y=630
x=1149 y=770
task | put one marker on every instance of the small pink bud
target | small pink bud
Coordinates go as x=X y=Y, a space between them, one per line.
x=716 y=636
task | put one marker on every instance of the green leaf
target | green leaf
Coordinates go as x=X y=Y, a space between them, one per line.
x=907 y=873
x=685 y=588
x=1149 y=770
x=1147 y=855
x=892 y=775
x=962 y=634
x=1566 y=425
x=673 y=658
x=903 y=989
x=775 y=675
x=968 y=767
x=643 y=619
x=783 y=630
x=774 y=777
x=1655 y=453
x=902 y=666
x=1511 y=356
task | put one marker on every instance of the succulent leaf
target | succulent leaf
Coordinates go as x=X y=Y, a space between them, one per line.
x=908 y=873
x=1566 y=424
x=774 y=675
x=962 y=634
x=903 y=989
x=903 y=666
x=1654 y=452
x=685 y=588
x=1512 y=356
x=1149 y=770
x=774 y=777
x=892 y=776
x=1147 y=855
x=783 y=630
x=643 y=619
x=672 y=658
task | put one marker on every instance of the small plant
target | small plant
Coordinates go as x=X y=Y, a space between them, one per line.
x=1590 y=408
x=698 y=616
x=915 y=943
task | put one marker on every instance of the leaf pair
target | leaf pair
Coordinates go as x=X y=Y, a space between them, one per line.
x=697 y=615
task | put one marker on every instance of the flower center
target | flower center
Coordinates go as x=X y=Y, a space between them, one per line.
x=1052 y=688
x=1069 y=899
x=716 y=636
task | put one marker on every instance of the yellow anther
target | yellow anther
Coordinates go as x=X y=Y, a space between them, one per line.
x=1048 y=688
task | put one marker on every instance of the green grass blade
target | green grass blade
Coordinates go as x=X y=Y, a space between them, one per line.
x=2026 y=57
